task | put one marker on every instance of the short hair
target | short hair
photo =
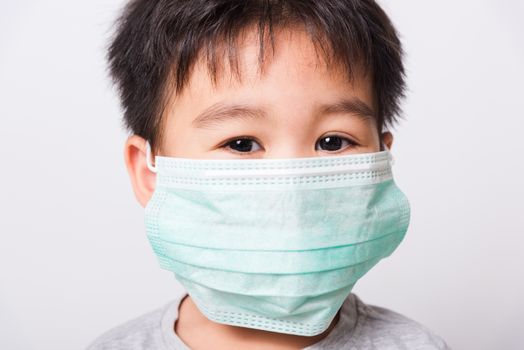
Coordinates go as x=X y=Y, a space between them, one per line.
x=156 y=44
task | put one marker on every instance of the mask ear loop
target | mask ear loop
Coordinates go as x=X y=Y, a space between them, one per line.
x=148 y=158
x=390 y=156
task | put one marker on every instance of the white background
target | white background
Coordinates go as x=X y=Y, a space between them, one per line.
x=74 y=259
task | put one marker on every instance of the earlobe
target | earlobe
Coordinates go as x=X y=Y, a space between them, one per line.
x=142 y=179
x=387 y=139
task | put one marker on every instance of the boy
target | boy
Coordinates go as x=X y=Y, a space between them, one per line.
x=260 y=153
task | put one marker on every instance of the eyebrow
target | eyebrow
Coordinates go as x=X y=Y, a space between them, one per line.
x=354 y=106
x=220 y=112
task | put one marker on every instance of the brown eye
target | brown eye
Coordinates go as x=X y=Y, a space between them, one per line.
x=243 y=145
x=333 y=143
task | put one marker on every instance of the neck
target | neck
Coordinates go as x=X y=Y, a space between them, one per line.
x=192 y=325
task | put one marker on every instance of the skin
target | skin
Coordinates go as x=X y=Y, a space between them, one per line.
x=294 y=84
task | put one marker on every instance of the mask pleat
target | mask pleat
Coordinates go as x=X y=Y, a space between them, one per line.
x=277 y=262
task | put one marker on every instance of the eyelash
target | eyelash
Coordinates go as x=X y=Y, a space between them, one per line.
x=227 y=143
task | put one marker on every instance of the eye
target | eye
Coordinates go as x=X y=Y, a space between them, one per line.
x=334 y=143
x=242 y=145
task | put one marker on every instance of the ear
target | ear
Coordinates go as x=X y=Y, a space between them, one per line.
x=142 y=179
x=387 y=138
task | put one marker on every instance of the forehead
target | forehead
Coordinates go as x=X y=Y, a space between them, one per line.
x=253 y=59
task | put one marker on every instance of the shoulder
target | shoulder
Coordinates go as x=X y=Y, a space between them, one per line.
x=382 y=328
x=143 y=332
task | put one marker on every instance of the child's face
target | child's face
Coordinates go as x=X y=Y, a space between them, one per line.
x=298 y=108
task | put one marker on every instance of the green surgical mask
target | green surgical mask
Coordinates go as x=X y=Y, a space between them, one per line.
x=274 y=244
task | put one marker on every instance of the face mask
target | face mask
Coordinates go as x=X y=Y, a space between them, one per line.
x=274 y=244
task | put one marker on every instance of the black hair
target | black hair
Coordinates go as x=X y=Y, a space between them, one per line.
x=156 y=44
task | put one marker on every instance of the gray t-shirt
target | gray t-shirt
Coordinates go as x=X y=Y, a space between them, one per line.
x=360 y=327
